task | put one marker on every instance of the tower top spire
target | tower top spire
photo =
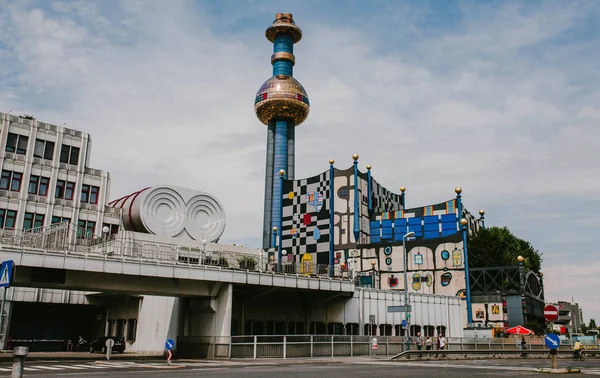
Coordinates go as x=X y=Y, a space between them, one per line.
x=284 y=23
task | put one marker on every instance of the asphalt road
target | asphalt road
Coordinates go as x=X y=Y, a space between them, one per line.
x=342 y=368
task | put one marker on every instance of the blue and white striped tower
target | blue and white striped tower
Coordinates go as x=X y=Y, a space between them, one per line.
x=281 y=103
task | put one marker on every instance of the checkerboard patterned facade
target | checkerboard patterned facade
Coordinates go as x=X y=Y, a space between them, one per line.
x=306 y=217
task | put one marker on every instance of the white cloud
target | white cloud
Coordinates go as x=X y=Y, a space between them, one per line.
x=502 y=104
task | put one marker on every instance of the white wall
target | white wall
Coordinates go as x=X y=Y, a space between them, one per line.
x=158 y=321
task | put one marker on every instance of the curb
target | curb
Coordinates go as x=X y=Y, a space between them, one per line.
x=559 y=371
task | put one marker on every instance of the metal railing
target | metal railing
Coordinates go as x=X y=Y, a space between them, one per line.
x=290 y=346
x=70 y=239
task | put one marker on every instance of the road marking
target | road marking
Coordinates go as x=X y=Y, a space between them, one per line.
x=591 y=372
x=70 y=367
x=93 y=366
x=45 y=367
x=30 y=369
x=5 y=369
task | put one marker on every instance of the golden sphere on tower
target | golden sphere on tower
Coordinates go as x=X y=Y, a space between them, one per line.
x=355 y=156
x=481 y=212
x=369 y=167
x=402 y=189
x=373 y=263
x=541 y=274
x=281 y=97
x=281 y=172
x=520 y=258
x=458 y=190
x=275 y=229
x=331 y=161
x=464 y=222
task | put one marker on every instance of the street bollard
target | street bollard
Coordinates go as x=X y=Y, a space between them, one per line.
x=19 y=354
x=554 y=358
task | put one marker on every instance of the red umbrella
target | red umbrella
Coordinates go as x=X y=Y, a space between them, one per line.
x=519 y=330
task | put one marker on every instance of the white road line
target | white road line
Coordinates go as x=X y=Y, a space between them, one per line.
x=119 y=366
x=5 y=369
x=27 y=368
x=45 y=367
x=69 y=367
x=91 y=366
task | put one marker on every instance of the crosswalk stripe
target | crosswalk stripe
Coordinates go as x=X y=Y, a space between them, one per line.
x=27 y=368
x=70 y=367
x=93 y=366
x=5 y=369
x=45 y=367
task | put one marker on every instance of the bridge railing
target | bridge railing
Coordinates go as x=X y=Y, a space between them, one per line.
x=67 y=238
x=289 y=346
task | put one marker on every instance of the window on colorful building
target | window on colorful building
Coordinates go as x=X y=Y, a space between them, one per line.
x=11 y=180
x=38 y=185
x=89 y=194
x=86 y=229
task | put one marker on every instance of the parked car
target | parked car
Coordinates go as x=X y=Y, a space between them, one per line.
x=99 y=344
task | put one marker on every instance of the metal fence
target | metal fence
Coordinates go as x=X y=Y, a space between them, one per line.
x=291 y=346
x=69 y=239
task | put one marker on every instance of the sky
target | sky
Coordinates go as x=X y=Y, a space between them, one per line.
x=501 y=98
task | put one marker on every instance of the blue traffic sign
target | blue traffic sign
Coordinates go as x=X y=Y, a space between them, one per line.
x=403 y=323
x=552 y=341
x=170 y=344
x=6 y=271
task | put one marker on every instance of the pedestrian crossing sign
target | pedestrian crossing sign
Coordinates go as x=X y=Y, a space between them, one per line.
x=6 y=271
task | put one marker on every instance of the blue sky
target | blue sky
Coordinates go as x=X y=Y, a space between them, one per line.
x=500 y=98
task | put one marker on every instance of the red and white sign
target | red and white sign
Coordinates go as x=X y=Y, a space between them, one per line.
x=550 y=313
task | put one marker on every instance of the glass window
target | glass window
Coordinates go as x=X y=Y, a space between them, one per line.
x=11 y=142
x=60 y=189
x=15 y=184
x=39 y=221
x=22 y=144
x=33 y=184
x=28 y=221
x=11 y=219
x=49 y=151
x=86 y=229
x=94 y=194
x=44 y=183
x=131 y=329
x=55 y=219
x=74 y=159
x=70 y=189
x=64 y=154
x=85 y=193
x=5 y=180
x=43 y=149
x=38 y=149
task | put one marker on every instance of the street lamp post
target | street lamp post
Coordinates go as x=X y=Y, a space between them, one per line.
x=463 y=223
x=373 y=274
x=203 y=251
x=406 y=294
x=105 y=231
x=482 y=218
x=520 y=259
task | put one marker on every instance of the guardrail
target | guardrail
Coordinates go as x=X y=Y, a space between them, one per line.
x=492 y=352
x=69 y=239
x=289 y=346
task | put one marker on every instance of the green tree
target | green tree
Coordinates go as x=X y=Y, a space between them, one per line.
x=497 y=246
x=593 y=324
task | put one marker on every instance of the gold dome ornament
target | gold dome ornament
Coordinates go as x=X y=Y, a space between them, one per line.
x=368 y=167
x=355 y=157
x=282 y=97
x=331 y=161
x=275 y=229
x=464 y=222
x=482 y=212
x=458 y=190
x=402 y=189
x=373 y=263
x=282 y=172
x=520 y=259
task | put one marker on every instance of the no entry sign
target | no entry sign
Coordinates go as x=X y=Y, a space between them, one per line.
x=550 y=313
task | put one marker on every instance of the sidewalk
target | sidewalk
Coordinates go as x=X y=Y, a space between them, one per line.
x=7 y=355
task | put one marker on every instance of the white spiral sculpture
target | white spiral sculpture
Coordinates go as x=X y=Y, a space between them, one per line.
x=173 y=211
